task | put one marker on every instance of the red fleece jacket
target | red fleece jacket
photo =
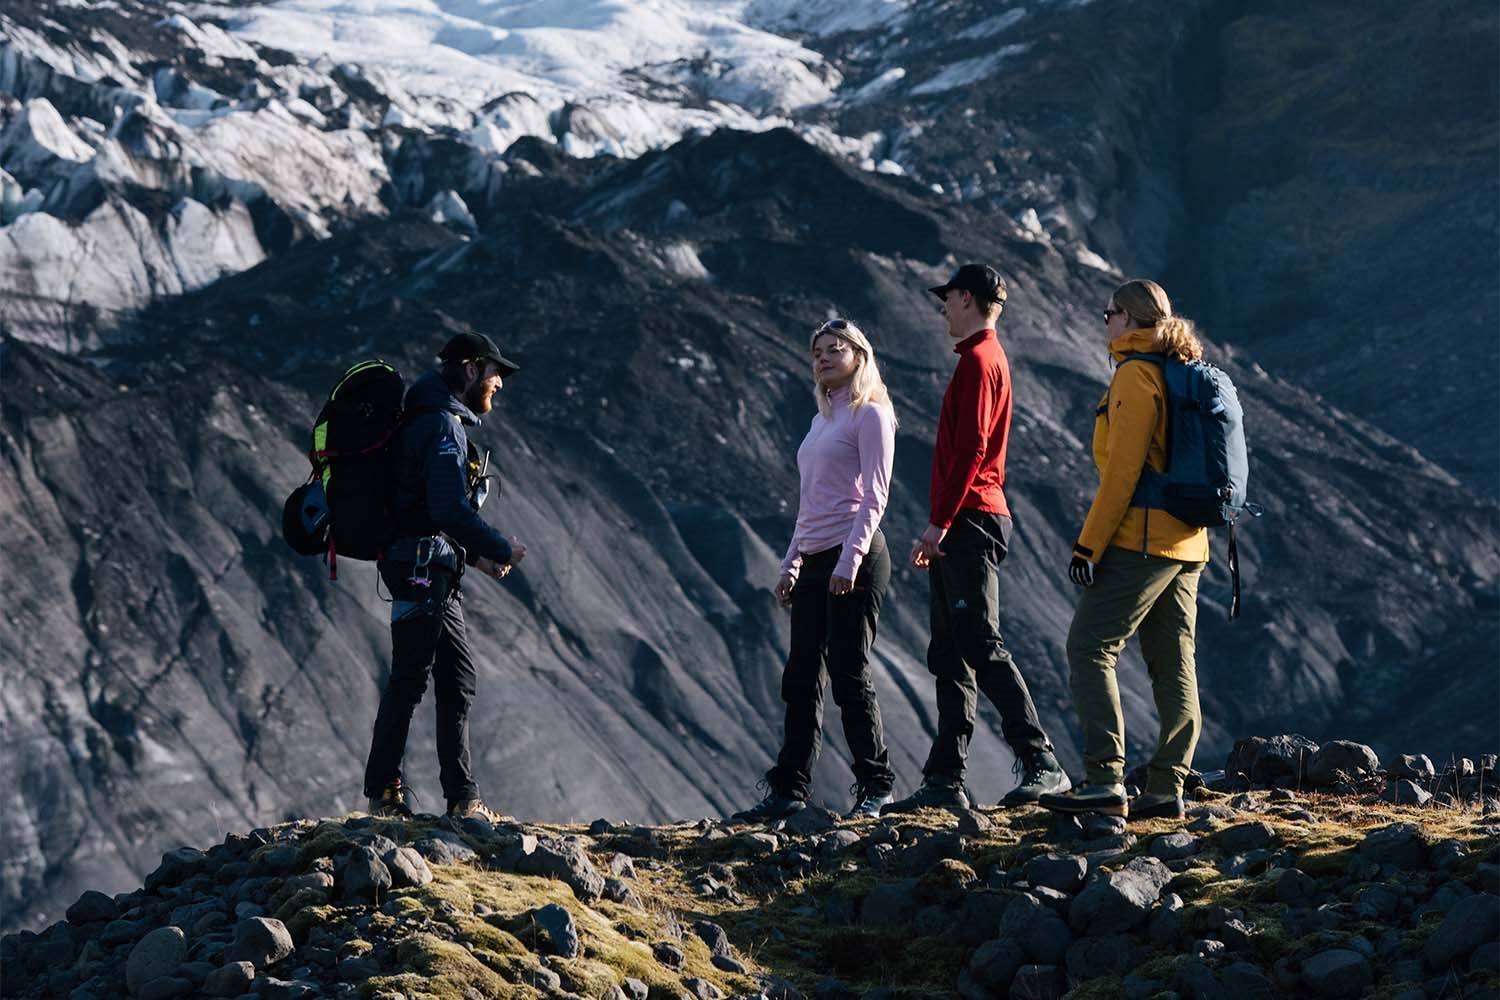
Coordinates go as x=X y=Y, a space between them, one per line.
x=968 y=465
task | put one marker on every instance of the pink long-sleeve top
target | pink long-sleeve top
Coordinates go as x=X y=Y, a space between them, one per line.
x=845 y=466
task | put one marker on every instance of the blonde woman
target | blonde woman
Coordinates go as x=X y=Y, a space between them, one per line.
x=835 y=575
x=1139 y=569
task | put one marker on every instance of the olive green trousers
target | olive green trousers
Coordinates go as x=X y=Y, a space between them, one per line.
x=1158 y=598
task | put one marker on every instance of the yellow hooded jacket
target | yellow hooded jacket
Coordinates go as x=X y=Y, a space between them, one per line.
x=1130 y=431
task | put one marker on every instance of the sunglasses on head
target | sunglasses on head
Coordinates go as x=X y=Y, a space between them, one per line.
x=835 y=324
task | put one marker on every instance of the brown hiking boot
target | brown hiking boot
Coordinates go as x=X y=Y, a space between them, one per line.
x=475 y=809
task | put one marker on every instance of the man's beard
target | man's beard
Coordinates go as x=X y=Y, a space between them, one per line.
x=478 y=399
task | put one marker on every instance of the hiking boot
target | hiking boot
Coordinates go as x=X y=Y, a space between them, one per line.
x=934 y=794
x=475 y=809
x=773 y=807
x=867 y=802
x=1109 y=800
x=1150 y=805
x=1040 y=774
x=391 y=802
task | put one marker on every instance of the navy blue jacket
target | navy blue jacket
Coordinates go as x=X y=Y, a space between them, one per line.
x=432 y=480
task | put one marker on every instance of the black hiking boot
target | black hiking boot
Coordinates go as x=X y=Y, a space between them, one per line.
x=1040 y=775
x=1149 y=805
x=867 y=801
x=1108 y=800
x=391 y=802
x=770 y=809
x=935 y=793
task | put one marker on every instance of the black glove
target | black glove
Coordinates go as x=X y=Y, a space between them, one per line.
x=1081 y=571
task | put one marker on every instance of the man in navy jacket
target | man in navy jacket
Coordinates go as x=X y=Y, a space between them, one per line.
x=439 y=485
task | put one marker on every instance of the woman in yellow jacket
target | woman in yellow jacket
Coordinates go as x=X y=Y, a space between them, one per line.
x=1139 y=570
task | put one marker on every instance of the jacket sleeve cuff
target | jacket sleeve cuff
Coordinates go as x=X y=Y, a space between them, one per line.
x=1083 y=551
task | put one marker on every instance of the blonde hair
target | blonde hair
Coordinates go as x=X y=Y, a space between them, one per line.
x=1146 y=304
x=867 y=386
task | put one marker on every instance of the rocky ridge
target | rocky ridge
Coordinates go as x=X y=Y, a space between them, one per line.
x=193 y=676
x=1261 y=892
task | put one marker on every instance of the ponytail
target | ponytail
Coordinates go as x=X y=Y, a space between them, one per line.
x=1176 y=339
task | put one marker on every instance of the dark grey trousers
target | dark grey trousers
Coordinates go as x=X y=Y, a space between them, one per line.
x=967 y=653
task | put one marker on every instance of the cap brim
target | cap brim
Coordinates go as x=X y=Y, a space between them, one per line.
x=507 y=367
x=940 y=290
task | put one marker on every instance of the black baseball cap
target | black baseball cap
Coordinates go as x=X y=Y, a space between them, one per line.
x=471 y=346
x=979 y=280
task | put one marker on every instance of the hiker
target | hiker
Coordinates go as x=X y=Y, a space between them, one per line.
x=1139 y=570
x=439 y=486
x=835 y=575
x=961 y=549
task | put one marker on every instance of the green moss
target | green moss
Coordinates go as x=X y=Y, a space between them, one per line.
x=405 y=906
x=305 y=919
x=446 y=970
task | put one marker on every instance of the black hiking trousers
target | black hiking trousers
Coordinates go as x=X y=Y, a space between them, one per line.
x=835 y=633
x=967 y=654
x=428 y=636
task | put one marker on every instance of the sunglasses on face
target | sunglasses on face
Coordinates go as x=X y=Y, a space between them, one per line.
x=1111 y=313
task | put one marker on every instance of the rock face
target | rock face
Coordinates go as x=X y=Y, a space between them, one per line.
x=198 y=233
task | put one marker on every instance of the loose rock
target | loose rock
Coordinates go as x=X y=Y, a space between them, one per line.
x=156 y=955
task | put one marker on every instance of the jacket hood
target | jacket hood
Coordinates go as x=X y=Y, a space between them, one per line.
x=430 y=392
x=1137 y=341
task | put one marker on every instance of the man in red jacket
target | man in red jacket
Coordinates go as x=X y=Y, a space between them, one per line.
x=962 y=548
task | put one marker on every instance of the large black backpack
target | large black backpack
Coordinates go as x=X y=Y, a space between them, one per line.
x=344 y=508
x=1208 y=467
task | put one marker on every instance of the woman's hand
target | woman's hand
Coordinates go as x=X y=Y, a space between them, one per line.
x=784 y=584
x=838 y=586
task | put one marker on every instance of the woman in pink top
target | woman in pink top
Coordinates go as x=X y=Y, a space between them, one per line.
x=835 y=574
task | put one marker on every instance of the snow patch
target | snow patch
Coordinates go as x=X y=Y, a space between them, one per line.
x=826 y=17
x=970 y=71
x=682 y=260
x=1089 y=258
x=992 y=26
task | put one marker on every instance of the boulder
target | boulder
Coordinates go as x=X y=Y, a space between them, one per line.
x=890 y=904
x=363 y=876
x=1471 y=922
x=1244 y=981
x=157 y=954
x=261 y=941
x=995 y=963
x=1341 y=760
x=566 y=861
x=408 y=868
x=230 y=980
x=557 y=934
x=713 y=935
x=1400 y=844
x=1039 y=982
x=1111 y=955
x=1417 y=767
x=1406 y=793
x=1119 y=900
x=669 y=954
x=176 y=866
x=1063 y=872
x=1337 y=973
x=92 y=907
x=165 y=988
x=1265 y=761
x=1244 y=837
x=805 y=822
x=1174 y=846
